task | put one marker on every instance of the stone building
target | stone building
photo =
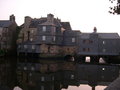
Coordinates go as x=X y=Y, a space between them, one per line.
x=99 y=45
x=46 y=36
x=8 y=34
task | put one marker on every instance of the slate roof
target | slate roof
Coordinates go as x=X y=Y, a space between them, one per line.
x=66 y=25
x=5 y=23
x=101 y=35
x=36 y=22
x=43 y=21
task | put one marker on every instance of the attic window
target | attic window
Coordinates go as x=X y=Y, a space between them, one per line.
x=44 y=28
x=104 y=50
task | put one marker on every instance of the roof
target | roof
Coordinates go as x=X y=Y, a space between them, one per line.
x=5 y=23
x=101 y=35
x=109 y=35
x=66 y=25
x=43 y=21
x=36 y=22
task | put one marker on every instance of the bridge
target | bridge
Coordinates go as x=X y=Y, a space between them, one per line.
x=55 y=75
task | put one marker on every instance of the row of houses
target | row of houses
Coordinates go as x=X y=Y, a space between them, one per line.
x=49 y=36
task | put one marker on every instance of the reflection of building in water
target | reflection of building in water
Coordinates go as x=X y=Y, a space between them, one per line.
x=55 y=76
x=47 y=36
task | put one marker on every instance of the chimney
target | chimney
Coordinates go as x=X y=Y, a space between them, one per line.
x=27 y=21
x=50 y=18
x=12 y=18
x=95 y=30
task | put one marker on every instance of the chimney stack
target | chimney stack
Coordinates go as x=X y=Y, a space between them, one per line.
x=12 y=18
x=95 y=30
x=50 y=18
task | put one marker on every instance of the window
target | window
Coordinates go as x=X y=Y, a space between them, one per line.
x=86 y=49
x=32 y=31
x=87 y=41
x=104 y=50
x=104 y=42
x=25 y=46
x=54 y=38
x=19 y=46
x=33 y=46
x=73 y=39
x=42 y=78
x=43 y=38
x=54 y=30
x=31 y=39
x=42 y=87
x=44 y=28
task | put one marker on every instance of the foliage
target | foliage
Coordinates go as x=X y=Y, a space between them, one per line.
x=115 y=9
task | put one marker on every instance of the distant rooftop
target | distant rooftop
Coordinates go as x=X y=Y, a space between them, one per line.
x=101 y=35
x=5 y=23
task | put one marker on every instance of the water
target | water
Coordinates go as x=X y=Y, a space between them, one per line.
x=85 y=87
x=8 y=73
x=81 y=87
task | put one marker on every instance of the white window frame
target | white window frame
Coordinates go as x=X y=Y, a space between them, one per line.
x=73 y=40
x=44 y=28
x=43 y=38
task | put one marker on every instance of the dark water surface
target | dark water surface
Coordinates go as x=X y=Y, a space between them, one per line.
x=9 y=78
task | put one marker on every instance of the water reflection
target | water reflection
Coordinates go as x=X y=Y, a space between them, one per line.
x=39 y=74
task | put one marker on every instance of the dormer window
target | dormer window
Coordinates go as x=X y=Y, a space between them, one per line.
x=44 y=28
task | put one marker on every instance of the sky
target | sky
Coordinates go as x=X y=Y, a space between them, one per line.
x=82 y=14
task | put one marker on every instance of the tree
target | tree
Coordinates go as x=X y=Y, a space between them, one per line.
x=115 y=9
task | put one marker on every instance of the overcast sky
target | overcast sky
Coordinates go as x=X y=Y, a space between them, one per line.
x=82 y=14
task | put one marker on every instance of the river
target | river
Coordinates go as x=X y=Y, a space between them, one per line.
x=8 y=75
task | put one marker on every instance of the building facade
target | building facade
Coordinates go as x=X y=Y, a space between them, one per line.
x=46 y=36
x=8 y=34
x=99 y=45
x=50 y=37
